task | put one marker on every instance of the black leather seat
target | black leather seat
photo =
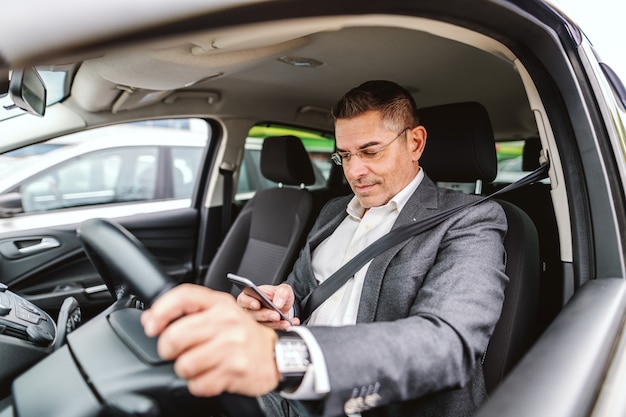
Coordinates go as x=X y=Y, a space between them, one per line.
x=266 y=236
x=536 y=201
x=460 y=149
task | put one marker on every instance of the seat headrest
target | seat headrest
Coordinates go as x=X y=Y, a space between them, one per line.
x=460 y=144
x=284 y=160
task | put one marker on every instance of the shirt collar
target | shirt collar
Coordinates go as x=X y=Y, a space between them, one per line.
x=356 y=210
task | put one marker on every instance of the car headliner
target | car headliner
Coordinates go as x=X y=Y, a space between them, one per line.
x=242 y=71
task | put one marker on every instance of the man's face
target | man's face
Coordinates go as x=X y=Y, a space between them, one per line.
x=376 y=182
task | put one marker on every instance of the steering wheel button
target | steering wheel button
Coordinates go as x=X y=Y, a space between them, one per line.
x=28 y=306
x=4 y=310
x=39 y=336
x=20 y=313
x=5 y=299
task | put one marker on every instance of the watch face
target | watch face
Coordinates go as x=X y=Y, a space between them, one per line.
x=292 y=355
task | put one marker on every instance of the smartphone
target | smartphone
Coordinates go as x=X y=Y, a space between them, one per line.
x=242 y=283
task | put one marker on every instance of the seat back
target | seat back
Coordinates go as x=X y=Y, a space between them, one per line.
x=536 y=201
x=461 y=149
x=266 y=236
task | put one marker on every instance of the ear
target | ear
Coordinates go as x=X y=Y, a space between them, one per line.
x=416 y=140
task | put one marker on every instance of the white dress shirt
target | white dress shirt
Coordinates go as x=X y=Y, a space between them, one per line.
x=357 y=231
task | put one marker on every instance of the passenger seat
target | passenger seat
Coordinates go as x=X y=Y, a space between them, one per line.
x=267 y=235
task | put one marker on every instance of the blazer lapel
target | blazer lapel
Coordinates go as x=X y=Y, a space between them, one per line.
x=423 y=203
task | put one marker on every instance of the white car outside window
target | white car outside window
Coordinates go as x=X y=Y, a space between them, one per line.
x=112 y=171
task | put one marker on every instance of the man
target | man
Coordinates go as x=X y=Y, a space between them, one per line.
x=405 y=335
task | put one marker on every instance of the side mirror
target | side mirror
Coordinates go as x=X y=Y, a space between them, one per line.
x=28 y=91
x=10 y=205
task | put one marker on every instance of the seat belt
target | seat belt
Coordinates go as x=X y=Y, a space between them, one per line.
x=347 y=271
x=227 y=203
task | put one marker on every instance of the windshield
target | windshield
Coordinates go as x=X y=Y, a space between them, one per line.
x=55 y=86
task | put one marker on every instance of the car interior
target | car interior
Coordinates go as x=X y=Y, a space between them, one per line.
x=487 y=104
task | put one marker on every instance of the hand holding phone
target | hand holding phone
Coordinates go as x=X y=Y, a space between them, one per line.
x=243 y=283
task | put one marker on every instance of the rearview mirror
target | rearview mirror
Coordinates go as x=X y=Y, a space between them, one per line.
x=28 y=91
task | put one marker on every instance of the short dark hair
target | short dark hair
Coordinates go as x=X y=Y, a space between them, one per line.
x=394 y=102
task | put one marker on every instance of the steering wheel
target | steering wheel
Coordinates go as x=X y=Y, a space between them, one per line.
x=120 y=258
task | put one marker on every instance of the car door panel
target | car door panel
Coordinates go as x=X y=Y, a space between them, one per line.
x=58 y=267
x=74 y=277
x=20 y=261
x=170 y=236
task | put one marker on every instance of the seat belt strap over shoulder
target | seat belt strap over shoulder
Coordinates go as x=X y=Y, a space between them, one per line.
x=396 y=236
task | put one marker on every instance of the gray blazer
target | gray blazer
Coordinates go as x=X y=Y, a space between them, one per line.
x=427 y=311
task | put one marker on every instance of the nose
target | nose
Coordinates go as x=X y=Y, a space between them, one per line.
x=354 y=168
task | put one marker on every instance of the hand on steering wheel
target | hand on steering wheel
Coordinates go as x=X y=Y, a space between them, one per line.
x=121 y=259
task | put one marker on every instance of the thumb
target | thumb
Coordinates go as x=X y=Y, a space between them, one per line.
x=284 y=297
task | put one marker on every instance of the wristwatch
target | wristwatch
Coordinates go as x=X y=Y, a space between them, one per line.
x=292 y=359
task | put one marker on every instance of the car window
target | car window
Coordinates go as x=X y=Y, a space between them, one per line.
x=250 y=179
x=186 y=163
x=133 y=162
x=516 y=159
x=123 y=174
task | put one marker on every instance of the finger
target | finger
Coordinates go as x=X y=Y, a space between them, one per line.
x=283 y=297
x=265 y=315
x=206 y=385
x=186 y=333
x=199 y=359
x=231 y=363
x=219 y=380
x=181 y=300
x=198 y=367
x=276 y=325
x=248 y=300
x=284 y=325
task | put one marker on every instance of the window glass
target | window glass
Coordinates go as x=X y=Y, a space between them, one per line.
x=516 y=159
x=319 y=146
x=133 y=162
x=186 y=163
x=122 y=174
x=509 y=161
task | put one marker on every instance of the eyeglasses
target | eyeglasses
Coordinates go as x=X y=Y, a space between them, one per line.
x=369 y=154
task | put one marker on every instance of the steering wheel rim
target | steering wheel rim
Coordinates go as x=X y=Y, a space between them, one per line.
x=120 y=258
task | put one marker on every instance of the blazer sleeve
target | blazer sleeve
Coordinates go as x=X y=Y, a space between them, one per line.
x=452 y=280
